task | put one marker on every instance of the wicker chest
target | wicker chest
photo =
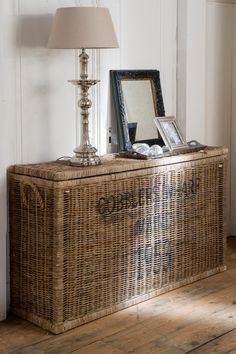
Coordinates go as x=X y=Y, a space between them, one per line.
x=86 y=242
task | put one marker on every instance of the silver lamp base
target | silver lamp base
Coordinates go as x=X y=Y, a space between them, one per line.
x=85 y=153
x=85 y=156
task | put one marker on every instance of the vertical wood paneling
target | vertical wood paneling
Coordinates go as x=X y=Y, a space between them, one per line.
x=8 y=132
x=141 y=32
x=47 y=99
x=233 y=129
x=195 y=70
x=191 y=67
x=181 y=75
x=18 y=91
x=168 y=50
x=218 y=73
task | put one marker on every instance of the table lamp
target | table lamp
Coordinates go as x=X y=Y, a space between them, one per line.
x=83 y=28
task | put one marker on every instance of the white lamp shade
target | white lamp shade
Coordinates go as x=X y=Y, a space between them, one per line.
x=82 y=27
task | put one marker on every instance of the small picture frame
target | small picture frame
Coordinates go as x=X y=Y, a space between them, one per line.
x=170 y=133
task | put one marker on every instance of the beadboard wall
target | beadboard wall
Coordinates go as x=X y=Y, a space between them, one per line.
x=38 y=107
x=233 y=129
x=218 y=73
x=204 y=70
x=191 y=68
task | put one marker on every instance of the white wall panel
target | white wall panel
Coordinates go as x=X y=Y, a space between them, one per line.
x=191 y=68
x=47 y=99
x=233 y=130
x=181 y=92
x=195 y=70
x=218 y=74
x=149 y=42
x=168 y=40
x=8 y=132
x=204 y=70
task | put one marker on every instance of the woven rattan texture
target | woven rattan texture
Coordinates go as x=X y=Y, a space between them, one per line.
x=79 y=251
x=63 y=171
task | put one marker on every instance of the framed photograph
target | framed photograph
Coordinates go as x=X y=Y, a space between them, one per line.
x=170 y=132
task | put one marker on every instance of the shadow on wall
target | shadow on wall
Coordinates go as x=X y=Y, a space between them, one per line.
x=43 y=123
x=36 y=86
x=33 y=30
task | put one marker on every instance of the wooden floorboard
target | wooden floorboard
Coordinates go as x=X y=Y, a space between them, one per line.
x=225 y=343
x=197 y=318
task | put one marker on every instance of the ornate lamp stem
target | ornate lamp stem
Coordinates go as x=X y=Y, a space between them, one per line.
x=85 y=153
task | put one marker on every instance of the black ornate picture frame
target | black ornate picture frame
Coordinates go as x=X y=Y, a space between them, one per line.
x=158 y=105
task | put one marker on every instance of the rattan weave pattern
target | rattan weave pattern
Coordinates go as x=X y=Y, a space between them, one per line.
x=84 y=248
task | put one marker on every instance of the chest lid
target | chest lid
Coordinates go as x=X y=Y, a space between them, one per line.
x=111 y=163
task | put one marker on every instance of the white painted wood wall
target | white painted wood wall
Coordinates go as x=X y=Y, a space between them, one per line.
x=38 y=108
x=218 y=73
x=233 y=128
x=191 y=68
x=204 y=70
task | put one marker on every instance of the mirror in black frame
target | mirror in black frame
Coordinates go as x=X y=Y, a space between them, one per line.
x=138 y=99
